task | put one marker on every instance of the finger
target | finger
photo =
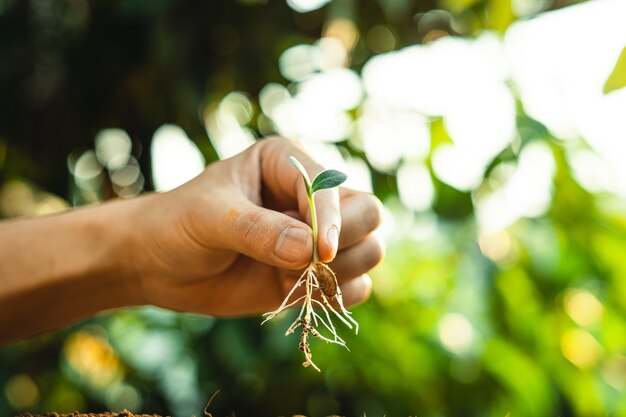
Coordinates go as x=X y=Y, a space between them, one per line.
x=358 y=259
x=266 y=235
x=328 y=223
x=353 y=291
x=285 y=184
x=356 y=290
x=361 y=214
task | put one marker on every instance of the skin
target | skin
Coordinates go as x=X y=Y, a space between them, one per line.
x=230 y=242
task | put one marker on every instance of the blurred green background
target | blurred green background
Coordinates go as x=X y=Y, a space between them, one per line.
x=493 y=131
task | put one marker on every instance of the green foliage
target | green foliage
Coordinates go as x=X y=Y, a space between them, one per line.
x=617 y=78
x=528 y=320
x=328 y=179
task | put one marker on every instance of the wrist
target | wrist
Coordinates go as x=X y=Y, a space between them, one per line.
x=131 y=233
x=78 y=262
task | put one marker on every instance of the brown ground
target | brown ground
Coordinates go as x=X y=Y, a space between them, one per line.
x=124 y=413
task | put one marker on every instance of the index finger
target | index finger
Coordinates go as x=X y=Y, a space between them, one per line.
x=286 y=186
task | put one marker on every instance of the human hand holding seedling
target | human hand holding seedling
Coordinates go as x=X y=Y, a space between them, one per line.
x=234 y=240
x=316 y=277
x=230 y=242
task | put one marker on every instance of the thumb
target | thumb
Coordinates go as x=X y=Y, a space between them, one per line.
x=268 y=236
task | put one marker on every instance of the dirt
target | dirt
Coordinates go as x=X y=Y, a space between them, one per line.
x=124 y=413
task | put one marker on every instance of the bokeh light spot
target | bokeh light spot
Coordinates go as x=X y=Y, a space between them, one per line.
x=87 y=171
x=18 y=199
x=271 y=96
x=113 y=148
x=330 y=53
x=238 y=105
x=614 y=371
x=344 y=30
x=580 y=348
x=456 y=332
x=127 y=181
x=304 y=6
x=499 y=247
x=415 y=186
x=526 y=191
x=297 y=62
x=93 y=359
x=123 y=396
x=380 y=38
x=583 y=307
x=21 y=391
x=175 y=158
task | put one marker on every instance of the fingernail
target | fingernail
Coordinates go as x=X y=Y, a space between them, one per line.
x=291 y=243
x=333 y=239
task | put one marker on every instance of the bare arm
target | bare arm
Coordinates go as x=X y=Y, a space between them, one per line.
x=61 y=268
x=227 y=243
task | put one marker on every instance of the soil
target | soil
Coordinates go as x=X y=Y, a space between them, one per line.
x=124 y=413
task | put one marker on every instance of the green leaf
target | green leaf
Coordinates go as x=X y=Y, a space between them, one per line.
x=617 y=79
x=328 y=179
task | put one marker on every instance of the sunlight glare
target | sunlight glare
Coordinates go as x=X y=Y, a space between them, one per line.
x=175 y=158
x=330 y=53
x=581 y=348
x=583 y=307
x=415 y=186
x=227 y=125
x=387 y=135
x=344 y=30
x=271 y=96
x=339 y=89
x=298 y=62
x=300 y=119
x=113 y=148
x=304 y=6
x=463 y=80
x=560 y=74
x=456 y=333
x=527 y=193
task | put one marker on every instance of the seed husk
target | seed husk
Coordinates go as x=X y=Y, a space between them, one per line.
x=326 y=279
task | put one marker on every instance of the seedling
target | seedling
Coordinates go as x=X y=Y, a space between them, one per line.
x=318 y=279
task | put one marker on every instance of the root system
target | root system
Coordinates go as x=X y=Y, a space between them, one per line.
x=321 y=290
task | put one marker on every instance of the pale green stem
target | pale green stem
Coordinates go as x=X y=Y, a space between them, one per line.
x=316 y=257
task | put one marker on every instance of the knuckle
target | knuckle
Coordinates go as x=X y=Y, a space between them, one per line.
x=251 y=228
x=373 y=210
x=357 y=291
x=376 y=251
x=367 y=288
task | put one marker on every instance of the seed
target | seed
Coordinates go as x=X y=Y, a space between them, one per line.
x=326 y=279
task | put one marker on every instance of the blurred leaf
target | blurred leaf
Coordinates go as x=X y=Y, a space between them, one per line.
x=617 y=79
x=499 y=15
x=439 y=135
x=529 y=383
x=162 y=61
x=458 y=5
x=452 y=203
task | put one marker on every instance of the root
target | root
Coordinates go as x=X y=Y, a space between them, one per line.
x=317 y=277
x=206 y=407
x=284 y=305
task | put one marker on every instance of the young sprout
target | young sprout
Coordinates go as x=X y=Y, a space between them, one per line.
x=318 y=279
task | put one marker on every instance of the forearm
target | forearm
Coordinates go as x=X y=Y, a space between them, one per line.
x=58 y=269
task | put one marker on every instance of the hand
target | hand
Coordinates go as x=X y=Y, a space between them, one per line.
x=231 y=241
